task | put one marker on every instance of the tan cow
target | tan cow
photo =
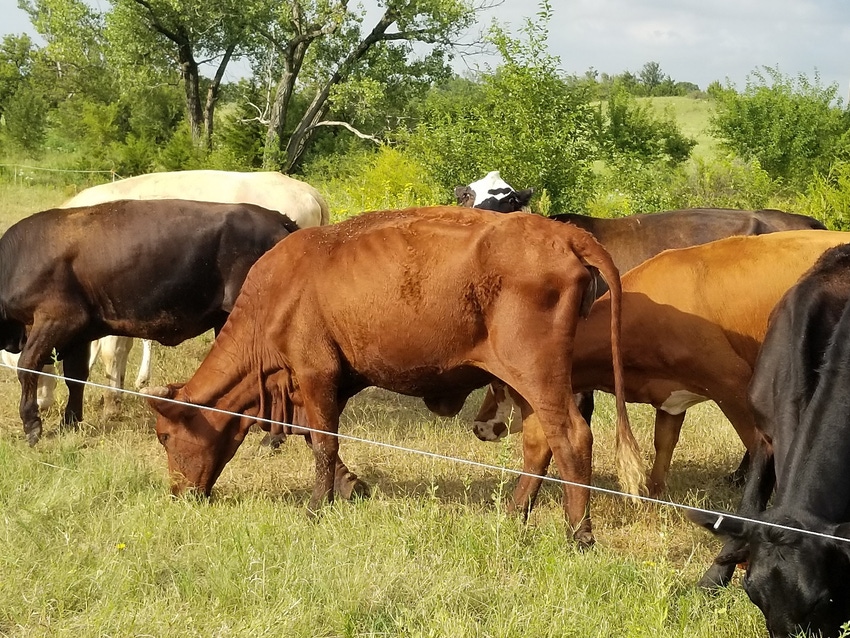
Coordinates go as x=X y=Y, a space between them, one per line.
x=430 y=302
x=693 y=322
x=299 y=201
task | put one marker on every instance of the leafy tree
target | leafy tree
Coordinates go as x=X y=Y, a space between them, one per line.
x=630 y=130
x=16 y=61
x=26 y=119
x=793 y=127
x=651 y=76
x=321 y=45
x=523 y=119
x=180 y=35
x=73 y=61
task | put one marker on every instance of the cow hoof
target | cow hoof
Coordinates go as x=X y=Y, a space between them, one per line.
x=584 y=541
x=33 y=436
x=349 y=487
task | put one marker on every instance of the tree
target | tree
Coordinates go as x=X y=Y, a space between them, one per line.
x=16 y=61
x=793 y=127
x=26 y=119
x=321 y=46
x=524 y=119
x=651 y=76
x=629 y=130
x=181 y=35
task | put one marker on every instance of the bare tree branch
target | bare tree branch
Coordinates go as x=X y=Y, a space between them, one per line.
x=348 y=126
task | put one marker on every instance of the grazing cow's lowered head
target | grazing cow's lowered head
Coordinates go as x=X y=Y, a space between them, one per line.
x=195 y=458
x=799 y=581
x=491 y=192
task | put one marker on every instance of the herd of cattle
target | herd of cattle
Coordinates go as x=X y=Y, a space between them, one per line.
x=748 y=309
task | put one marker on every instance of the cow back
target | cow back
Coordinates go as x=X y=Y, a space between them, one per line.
x=164 y=270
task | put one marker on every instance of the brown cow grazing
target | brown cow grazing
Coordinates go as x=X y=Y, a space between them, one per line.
x=165 y=270
x=431 y=302
x=693 y=321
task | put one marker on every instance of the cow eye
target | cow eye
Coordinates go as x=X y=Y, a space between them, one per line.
x=162 y=438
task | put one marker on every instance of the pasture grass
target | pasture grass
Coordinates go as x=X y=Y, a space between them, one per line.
x=92 y=544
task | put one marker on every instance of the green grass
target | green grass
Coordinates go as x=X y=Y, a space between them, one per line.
x=92 y=544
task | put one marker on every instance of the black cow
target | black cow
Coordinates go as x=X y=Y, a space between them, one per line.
x=799 y=396
x=166 y=270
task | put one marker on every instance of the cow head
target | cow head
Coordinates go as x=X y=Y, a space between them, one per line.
x=198 y=442
x=798 y=581
x=496 y=416
x=491 y=192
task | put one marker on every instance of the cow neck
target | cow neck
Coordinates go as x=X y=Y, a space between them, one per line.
x=228 y=379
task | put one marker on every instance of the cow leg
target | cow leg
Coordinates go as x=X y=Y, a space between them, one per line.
x=114 y=352
x=144 y=376
x=572 y=455
x=346 y=483
x=536 y=457
x=34 y=356
x=585 y=405
x=75 y=364
x=761 y=479
x=668 y=427
x=322 y=412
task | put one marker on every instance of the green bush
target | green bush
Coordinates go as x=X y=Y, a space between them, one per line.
x=827 y=197
x=25 y=116
x=723 y=183
x=386 y=179
x=792 y=127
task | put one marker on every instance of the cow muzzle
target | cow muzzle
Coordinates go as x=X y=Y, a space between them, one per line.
x=491 y=430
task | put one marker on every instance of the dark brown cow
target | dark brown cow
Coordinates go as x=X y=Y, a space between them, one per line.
x=165 y=270
x=693 y=321
x=431 y=302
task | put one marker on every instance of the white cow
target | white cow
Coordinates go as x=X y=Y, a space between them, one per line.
x=298 y=200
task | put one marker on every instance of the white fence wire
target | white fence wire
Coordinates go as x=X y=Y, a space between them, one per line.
x=470 y=462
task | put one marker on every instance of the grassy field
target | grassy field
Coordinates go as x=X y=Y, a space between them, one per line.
x=91 y=543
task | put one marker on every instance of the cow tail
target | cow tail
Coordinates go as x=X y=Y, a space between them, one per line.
x=629 y=460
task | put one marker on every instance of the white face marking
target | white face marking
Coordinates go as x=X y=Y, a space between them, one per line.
x=681 y=400
x=505 y=415
x=489 y=186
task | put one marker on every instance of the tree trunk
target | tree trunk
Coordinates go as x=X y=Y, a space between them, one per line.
x=191 y=86
x=212 y=97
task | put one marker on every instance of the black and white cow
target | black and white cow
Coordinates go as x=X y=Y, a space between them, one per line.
x=799 y=394
x=491 y=192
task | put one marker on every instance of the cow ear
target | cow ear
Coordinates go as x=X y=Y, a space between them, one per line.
x=524 y=196
x=465 y=196
x=719 y=524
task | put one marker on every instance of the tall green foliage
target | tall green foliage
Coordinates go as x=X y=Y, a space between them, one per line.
x=26 y=120
x=630 y=129
x=793 y=127
x=523 y=119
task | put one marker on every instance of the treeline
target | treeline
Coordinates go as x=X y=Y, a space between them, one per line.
x=376 y=122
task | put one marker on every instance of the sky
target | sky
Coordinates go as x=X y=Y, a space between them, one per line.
x=696 y=41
